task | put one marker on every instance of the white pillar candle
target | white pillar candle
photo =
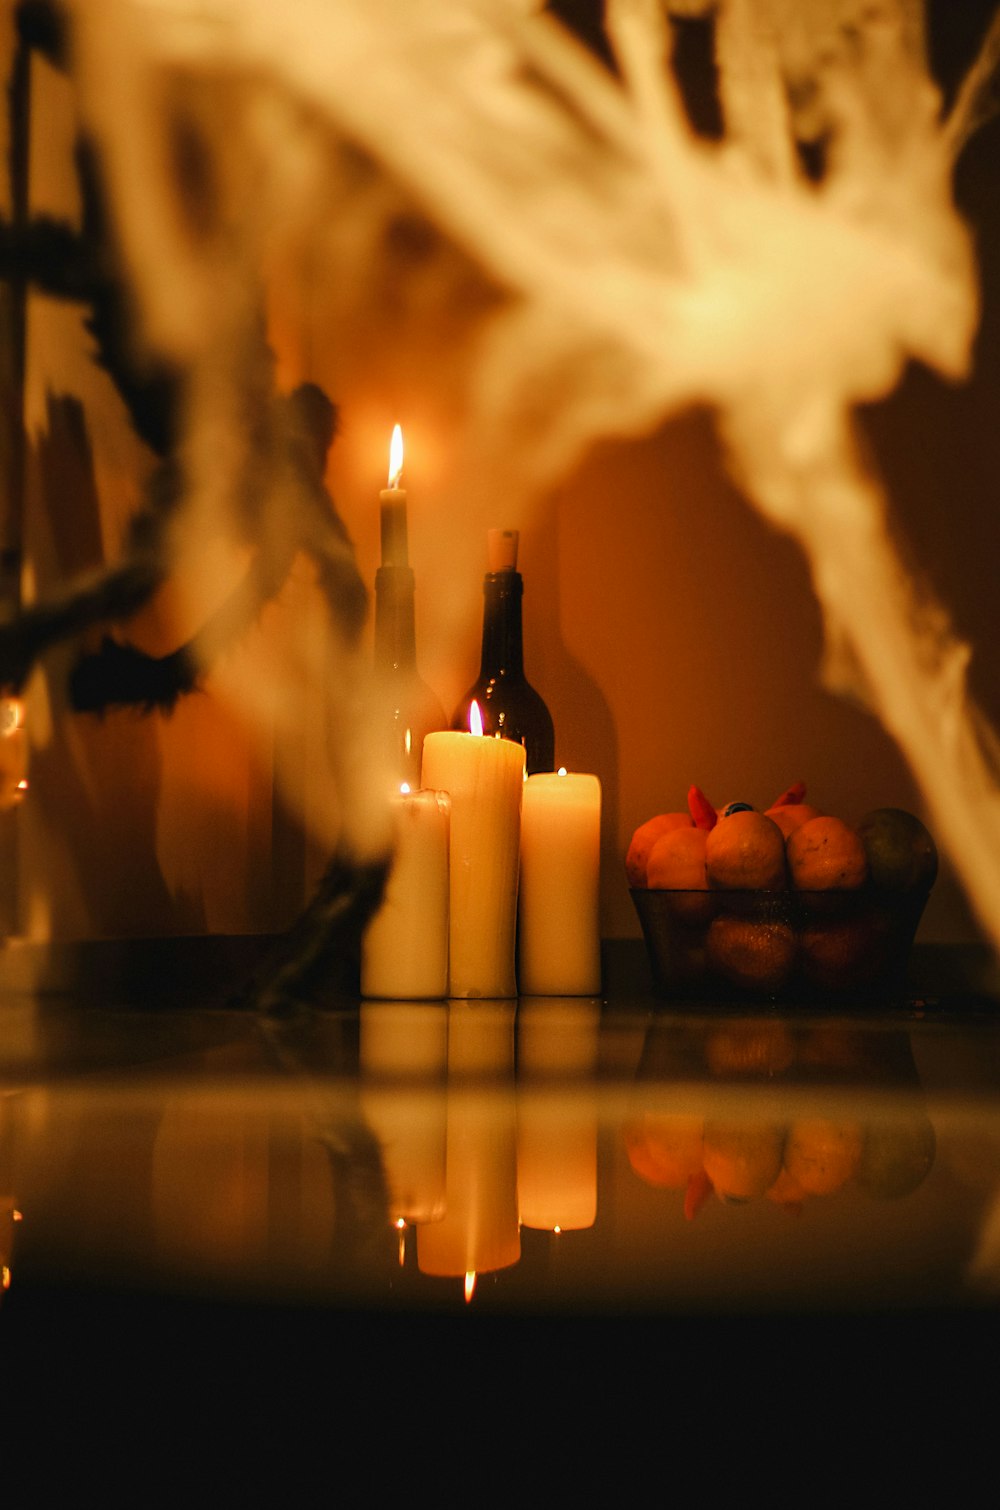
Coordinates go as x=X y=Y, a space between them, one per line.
x=560 y=944
x=484 y=778
x=404 y=953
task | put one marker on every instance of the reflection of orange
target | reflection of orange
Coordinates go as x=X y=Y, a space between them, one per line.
x=749 y=1048
x=742 y=1159
x=841 y=952
x=746 y=851
x=821 y=1155
x=752 y=954
x=826 y=854
x=786 y=1191
x=643 y=840
x=664 y=1148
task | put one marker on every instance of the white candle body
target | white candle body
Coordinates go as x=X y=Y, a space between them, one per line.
x=484 y=778
x=404 y=953
x=559 y=943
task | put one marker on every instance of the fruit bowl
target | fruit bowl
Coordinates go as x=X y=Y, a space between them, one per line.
x=828 y=947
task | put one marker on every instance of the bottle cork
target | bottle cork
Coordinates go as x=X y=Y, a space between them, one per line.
x=502 y=549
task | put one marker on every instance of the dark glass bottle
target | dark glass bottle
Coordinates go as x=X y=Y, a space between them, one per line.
x=409 y=709
x=509 y=705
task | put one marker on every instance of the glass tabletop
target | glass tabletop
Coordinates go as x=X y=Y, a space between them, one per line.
x=576 y=1164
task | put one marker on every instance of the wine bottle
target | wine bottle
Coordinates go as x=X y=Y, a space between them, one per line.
x=408 y=707
x=508 y=704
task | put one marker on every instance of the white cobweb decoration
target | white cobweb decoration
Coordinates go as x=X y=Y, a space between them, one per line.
x=640 y=268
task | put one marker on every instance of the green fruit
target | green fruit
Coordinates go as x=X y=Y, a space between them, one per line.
x=902 y=856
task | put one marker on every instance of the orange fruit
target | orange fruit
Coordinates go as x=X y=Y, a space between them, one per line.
x=677 y=864
x=746 y=852
x=826 y=854
x=792 y=817
x=643 y=840
x=677 y=861
x=821 y=1155
x=753 y=955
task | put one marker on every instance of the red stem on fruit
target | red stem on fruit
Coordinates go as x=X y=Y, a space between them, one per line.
x=701 y=810
x=792 y=797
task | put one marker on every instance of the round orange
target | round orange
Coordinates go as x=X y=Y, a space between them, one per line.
x=826 y=854
x=746 y=852
x=645 y=837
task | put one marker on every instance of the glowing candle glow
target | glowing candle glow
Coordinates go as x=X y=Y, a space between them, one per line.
x=559 y=940
x=484 y=778
x=393 y=502
x=404 y=952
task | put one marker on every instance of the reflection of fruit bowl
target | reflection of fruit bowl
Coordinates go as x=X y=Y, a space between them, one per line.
x=820 y=946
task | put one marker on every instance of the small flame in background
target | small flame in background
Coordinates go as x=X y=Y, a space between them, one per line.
x=644 y=269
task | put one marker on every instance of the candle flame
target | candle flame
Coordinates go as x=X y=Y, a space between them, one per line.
x=562 y=771
x=470 y=1286
x=395 y=457
x=475 y=719
x=404 y=787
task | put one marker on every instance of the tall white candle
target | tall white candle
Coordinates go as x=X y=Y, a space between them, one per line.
x=559 y=940
x=404 y=953
x=484 y=778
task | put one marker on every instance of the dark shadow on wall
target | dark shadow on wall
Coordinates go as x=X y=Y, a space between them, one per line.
x=586 y=736
x=97 y=782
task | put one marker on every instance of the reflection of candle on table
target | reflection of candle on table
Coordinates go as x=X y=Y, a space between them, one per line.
x=393 y=512
x=559 y=942
x=484 y=778
x=557 y=1123
x=405 y=948
x=479 y=1232
x=404 y=1056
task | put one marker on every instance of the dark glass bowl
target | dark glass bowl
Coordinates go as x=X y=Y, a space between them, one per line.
x=828 y=947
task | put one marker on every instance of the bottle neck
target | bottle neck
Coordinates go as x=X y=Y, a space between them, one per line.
x=395 y=639
x=503 y=645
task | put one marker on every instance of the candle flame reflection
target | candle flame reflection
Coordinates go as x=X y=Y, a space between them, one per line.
x=395 y=457
x=475 y=719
